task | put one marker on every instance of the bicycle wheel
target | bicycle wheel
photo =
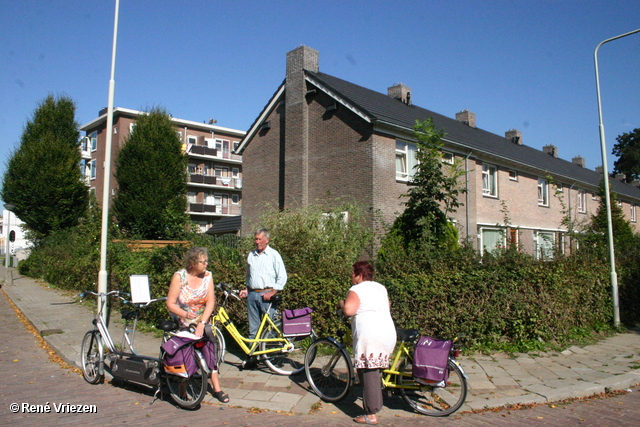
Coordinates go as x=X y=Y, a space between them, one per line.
x=188 y=392
x=284 y=362
x=91 y=357
x=221 y=345
x=329 y=370
x=430 y=399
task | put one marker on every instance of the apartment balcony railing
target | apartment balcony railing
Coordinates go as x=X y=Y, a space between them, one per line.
x=207 y=151
x=199 y=178
x=215 y=209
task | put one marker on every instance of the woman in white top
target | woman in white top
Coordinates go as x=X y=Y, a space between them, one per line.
x=374 y=335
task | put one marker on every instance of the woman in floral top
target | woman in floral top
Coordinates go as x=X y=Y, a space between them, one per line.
x=192 y=299
x=374 y=335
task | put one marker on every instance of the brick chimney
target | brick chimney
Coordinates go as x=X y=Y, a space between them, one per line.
x=580 y=161
x=514 y=136
x=400 y=92
x=600 y=169
x=466 y=117
x=621 y=177
x=551 y=150
x=296 y=128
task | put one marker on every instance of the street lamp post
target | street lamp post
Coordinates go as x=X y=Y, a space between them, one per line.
x=612 y=259
x=102 y=274
x=9 y=207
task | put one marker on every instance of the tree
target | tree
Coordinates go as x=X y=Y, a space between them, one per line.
x=43 y=178
x=433 y=192
x=628 y=151
x=597 y=231
x=151 y=175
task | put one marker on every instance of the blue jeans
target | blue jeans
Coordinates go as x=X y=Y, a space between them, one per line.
x=256 y=307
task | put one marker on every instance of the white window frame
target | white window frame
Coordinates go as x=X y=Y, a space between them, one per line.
x=489 y=180
x=634 y=217
x=221 y=172
x=513 y=175
x=582 y=201
x=94 y=140
x=543 y=192
x=235 y=172
x=447 y=157
x=560 y=188
x=500 y=242
x=93 y=168
x=405 y=160
x=235 y=199
x=545 y=244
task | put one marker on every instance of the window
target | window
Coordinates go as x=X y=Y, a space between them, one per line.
x=447 y=158
x=543 y=192
x=489 y=180
x=405 y=160
x=92 y=167
x=221 y=172
x=191 y=196
x=544 y=243
x=490 y=240
x=93 y=136
x=582 y=201
x=235 y=199
x=192 y=140
x=633 y=213
x=513 y=175
x=235 y=172
x=236 y=144
x=559 y=188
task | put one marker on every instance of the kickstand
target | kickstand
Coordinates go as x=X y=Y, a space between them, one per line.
x=157 y=395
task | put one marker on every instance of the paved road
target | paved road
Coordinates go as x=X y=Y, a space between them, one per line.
x=46 y=391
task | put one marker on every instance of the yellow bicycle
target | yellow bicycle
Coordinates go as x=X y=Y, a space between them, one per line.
x=283 y=354
x=330 y=374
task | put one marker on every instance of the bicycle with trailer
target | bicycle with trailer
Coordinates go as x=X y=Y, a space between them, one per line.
x=99 y=355
x=330 y=373
x=282 y=350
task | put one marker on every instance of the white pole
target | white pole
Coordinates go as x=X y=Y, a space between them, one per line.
x=102 y=275
x=612 y=259
x=6 y=255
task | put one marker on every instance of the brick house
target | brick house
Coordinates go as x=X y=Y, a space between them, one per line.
x=214 y=186
x=320 y=139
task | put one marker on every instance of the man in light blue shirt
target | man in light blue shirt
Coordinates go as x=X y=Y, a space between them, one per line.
x=266 y=275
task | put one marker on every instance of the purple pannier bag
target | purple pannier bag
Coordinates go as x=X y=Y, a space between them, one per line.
x=297 y=322
x=179 y=358
x=430 y=358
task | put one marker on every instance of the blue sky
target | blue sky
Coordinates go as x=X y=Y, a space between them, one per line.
x=525 y=65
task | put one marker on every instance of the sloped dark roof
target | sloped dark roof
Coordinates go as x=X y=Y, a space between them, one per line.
x=226 y=225
x=385 y=109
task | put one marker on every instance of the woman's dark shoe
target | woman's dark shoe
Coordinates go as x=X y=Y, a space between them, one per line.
x=221 y=396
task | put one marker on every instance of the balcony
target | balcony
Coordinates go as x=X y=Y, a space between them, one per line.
x=219 y=181
x=204 y=209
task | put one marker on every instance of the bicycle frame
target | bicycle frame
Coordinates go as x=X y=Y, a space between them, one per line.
x=390 y=375
x=248 y=345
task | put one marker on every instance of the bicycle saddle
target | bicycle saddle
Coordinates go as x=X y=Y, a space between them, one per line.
x=276 y=299
x=407 y=335
x=168 y=325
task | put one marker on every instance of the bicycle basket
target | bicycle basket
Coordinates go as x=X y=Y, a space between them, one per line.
x=297 y=322
x=179 y=358
x=430 y=358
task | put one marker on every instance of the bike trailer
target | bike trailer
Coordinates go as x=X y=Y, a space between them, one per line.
x=430 y=359
x=179 y=358
x=296 y=322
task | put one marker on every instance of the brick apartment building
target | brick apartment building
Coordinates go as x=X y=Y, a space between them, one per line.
x=320 y=139
x=214 y=187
